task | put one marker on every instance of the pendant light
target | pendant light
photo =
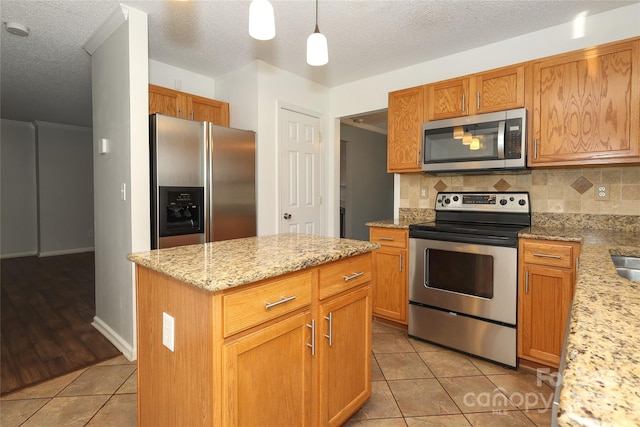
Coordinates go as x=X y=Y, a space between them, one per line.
x=262 y=25
x=317 y=50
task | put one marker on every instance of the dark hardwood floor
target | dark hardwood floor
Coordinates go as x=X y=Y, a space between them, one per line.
x=48 y=305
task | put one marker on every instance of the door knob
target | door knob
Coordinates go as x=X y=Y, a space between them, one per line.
x=287 y=216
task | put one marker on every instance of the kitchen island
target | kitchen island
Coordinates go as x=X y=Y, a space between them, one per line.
x=272 y=330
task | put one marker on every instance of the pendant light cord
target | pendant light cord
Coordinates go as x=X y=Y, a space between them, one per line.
x=317 y=30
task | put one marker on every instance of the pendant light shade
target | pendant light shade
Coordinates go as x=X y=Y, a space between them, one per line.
x=262 y=24
x=317 y=49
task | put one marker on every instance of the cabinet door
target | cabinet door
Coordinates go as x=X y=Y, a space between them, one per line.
x=498 y=90
x=587 y=107
x=267 y=376
x=545 y=297
x=209 y=110
x=165 y=101
x=389 y=284
x=404 y=146
x=447 y=99
x=345 y=342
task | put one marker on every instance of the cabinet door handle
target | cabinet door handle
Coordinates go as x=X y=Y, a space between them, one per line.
x=418 y=159
x=191 y=114
x=180 y=112
x=400 y=262
x=577 y=264
x=390 y=239
x=478 y=101
x=547 y=256
x=353 y=276
x=526 y=282
x=330 y=336
x=312 y=326
x=463 y=102
x=268 y=305
x=535 y=148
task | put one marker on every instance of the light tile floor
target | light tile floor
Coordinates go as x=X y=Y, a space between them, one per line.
x=414 y=384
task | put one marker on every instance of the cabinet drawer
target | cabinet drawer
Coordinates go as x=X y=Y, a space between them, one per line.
x=552 y=254
x=339 y=276
x=392 y=237
x=257 y=304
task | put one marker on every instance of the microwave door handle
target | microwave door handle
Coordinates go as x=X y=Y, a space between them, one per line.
x=501 y=128
x=426 y=268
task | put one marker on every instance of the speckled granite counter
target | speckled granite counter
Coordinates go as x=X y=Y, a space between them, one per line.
x=392 y=223
x=601 y=379
x=221 y=265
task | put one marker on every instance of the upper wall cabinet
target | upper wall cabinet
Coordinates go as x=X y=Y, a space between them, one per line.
x=179 y=104
x=404 y=140
x=586 y=107
x=500 y=89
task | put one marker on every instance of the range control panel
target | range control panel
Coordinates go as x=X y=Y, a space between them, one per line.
x=517 y=202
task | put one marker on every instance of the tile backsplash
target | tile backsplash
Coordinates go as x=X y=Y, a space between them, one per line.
x=569 y=191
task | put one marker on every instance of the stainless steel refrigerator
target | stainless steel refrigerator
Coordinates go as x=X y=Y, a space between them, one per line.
x=202 y=182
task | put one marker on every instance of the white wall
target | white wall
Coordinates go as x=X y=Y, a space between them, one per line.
x=120 y=76
x=65 y=188
x=165 y=75
x=18 y=192
x=371 y=94
x=267 y=88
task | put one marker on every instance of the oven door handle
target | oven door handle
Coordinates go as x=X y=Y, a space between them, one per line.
x=426 y=268
x=501 y=128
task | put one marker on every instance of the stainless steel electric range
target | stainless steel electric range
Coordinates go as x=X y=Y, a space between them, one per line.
x=463 y=273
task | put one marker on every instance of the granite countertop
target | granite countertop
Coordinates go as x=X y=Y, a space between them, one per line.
x=222 y=265
x=392 y=223
x=601 y=375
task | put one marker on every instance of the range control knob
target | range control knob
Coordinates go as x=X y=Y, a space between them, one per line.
x=512 y=198
x=522 y=202
x=456 y=198
x=503 y=202
x=447 y=201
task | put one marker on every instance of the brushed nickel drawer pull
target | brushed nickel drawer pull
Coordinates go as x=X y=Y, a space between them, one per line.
x=353 y=276
x=548 y=256
x=390 y=239
x=526 y=283
x=268 y=305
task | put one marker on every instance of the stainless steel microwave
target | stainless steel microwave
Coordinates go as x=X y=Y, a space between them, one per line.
x=485 y=142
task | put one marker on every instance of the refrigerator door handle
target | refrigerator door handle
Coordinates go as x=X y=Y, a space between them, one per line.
x=206 y=167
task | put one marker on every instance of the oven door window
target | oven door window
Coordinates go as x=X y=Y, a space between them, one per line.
x=460 y=272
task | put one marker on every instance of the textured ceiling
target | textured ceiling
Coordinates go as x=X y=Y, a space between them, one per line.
x=46 y=76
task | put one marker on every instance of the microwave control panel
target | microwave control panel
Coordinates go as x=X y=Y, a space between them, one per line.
x=517 y=202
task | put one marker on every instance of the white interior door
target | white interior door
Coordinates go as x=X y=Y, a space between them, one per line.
x=299 y=173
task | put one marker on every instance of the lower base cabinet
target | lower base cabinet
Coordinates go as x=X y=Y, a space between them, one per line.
x=345 y=382
x=303 y=361
x=546 y=287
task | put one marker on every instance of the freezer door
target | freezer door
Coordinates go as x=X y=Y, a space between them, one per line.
x=232 y=177
x=179 y=152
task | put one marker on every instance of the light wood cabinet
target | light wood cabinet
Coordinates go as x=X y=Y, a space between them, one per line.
x=496 y=90
x=404 y=139
x=545 y=289
x=390 y=274
x=345 y=381
x=184 y=105
x=587 y=107
x=268 y=376
x=257 y=354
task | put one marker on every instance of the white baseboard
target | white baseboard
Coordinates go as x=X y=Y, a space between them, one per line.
x=65 y=252
x=129 y=351
x=18 y=255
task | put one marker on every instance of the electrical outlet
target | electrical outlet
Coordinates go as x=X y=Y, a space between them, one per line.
x=424 y=193
x=167 y=331
x=602 y=192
